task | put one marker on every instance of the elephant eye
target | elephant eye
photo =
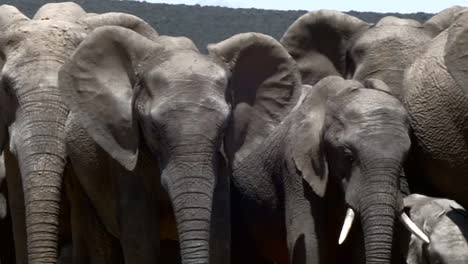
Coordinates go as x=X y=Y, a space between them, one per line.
x=349 y=156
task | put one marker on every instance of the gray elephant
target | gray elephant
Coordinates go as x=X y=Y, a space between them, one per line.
x=446 y=223
x=341 y=135
x=424 y=66
x=33 y=115
x=145 y=138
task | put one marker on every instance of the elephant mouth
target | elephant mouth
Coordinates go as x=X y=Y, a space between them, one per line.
x=404 y=218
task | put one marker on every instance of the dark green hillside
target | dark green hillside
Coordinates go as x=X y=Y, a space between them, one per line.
x=202 y=24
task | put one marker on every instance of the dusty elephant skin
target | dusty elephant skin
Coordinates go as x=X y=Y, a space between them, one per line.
x=145 y=133
x=446 y=223
x=340 y=133
x=34 y=115
x=422 y=64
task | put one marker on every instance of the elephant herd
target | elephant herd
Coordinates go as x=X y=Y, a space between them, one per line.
x=328 y=146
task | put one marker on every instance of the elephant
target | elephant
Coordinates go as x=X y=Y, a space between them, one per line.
x=423 y=65
x=148 y=137
x=446 y=223
x=33 y=115
x=342 y=136
x=3 y=201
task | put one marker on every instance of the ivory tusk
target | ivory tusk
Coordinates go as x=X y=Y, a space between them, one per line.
x=348 y=222
x=413 y=228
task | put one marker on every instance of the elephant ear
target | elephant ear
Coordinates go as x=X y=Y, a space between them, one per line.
x=318 y=41
x=10 y=15
x=120 y=19
x=67 y=11
x=98 y=82
x=456 y=51
x=264 y=86
x=307 y=150
x=442 y=20
x=377 y=84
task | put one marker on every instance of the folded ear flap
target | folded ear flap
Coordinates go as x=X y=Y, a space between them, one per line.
x=121 y=19
x=377 y=84
x=10 y=15
x=98 y=82
x=307 y=148
x=456 y=51
x=67 y=11
x=264 y=86
x=442 y=20
x=318 y=41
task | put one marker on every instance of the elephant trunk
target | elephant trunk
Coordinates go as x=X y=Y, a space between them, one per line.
x=190 y=180
x=378 y=205
x=40 y=149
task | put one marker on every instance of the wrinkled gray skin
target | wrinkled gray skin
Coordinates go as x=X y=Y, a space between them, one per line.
x=339 y=134
x=34 y=113
x=446 y=223
x=423 y=65
x=145 y=135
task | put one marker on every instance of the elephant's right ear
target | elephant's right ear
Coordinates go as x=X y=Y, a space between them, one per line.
x=318 y=41
x=264 y=86
x=120 y=19
x=98 y=83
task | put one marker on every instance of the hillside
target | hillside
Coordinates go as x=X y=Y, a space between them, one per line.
x=203 y=25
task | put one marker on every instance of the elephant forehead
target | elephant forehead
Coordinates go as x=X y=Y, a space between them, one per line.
x=448 y=239
x=366 y=102
x=45 y=37
x=396 y=21
x=186 y=63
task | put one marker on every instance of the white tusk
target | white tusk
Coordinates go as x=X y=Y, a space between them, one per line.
x=348 y=222
x=414 y=228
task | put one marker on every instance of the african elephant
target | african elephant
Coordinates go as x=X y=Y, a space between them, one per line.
x=145 y=138
x=341 y=133
x=424 y=66
x=446 y=223
x=33 y=115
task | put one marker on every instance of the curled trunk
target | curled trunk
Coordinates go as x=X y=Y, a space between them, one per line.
x=190 y=181
x=40 y=149
x=378 y=209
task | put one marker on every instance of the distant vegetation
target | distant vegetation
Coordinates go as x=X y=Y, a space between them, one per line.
x=203 y=25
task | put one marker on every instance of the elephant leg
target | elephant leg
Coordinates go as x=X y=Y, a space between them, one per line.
x=304 y=224
x=91 y=242
x=16 y=204
x=138 y=217
x=221 y=218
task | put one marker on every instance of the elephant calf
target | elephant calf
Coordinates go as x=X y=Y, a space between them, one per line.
x=446 y=223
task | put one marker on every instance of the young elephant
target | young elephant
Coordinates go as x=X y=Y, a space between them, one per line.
x=446 y=223
x=340 y=133
x=423 y=64
x=145 y=133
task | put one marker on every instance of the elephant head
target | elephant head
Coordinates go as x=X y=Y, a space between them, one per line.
x=328 y=42
x=356 y=136
x=128 y=91
x=446 y=223
x=33 y=113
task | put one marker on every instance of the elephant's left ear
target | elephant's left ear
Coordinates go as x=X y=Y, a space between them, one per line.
x=264 y=86
x=442 y=20
x=456 y=50
x=307 y=150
